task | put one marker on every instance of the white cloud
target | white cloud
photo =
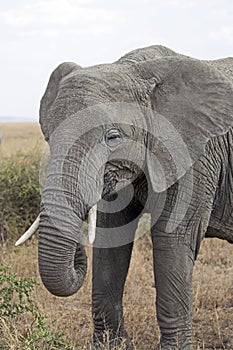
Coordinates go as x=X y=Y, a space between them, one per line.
x=18 y=18
x=221 y=15
x=196 y=3
x=55 y=12
x=224 y=34
x=36 y=35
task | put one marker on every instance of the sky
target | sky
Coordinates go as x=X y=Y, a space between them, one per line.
x=37 y=35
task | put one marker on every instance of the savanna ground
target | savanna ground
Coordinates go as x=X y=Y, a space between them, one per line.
x=212 y=281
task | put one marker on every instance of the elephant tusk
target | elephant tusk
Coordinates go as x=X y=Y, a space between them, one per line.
x=92 y=215
x=32 y=229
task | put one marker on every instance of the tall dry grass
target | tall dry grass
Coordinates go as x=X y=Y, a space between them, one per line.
x=212 y=296
x=19 y=138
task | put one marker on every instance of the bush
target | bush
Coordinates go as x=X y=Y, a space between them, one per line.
x=16 y=306
x=19 y=194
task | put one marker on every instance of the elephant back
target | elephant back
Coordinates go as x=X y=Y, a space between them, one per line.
x=147 y=54
x=224 y=65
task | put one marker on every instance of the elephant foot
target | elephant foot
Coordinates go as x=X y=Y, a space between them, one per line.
x=171 y=347
x=165 y=345
x=106 y=342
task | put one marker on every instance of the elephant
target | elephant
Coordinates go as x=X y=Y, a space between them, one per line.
x=149 y=133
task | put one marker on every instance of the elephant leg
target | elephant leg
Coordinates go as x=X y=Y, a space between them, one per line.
x=110 y=267
x=177 y=237
x=111 y=259
x=173 y=268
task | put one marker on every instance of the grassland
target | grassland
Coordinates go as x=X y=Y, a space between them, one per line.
x=19 y=138
x=212 y=282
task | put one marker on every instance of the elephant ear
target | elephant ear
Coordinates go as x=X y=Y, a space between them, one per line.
x=191 y=102
x=61 y=72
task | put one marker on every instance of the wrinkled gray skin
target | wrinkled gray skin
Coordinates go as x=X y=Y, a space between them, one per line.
x=197 y=98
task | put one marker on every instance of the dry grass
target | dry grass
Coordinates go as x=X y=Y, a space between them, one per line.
x=19 y=137
x=212 y=291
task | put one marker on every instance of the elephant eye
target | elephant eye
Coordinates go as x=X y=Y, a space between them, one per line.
x=113 y=137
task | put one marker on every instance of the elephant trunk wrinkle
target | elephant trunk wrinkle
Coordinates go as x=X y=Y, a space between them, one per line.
x=62 y=259
x=66 y=201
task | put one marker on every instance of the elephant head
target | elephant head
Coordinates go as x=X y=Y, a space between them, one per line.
x=152 y=113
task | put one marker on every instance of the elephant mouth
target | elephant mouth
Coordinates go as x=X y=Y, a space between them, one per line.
x=92 y=217
x=110 y=184
x=113 y=182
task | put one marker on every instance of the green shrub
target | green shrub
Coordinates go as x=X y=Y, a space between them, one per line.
x=19 y=194
x=16 y=306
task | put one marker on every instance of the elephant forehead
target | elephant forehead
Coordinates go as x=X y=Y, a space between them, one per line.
x=71 y=135
x=69 y=122
x=91 y=97
x=104 y=82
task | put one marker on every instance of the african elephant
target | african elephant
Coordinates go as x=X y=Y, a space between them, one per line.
x=152 y=133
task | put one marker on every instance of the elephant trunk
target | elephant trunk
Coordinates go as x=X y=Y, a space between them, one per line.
x=62 y=258
x=73 y=185
x=62 y=262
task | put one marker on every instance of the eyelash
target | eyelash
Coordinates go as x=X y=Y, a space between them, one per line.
x=112 y=136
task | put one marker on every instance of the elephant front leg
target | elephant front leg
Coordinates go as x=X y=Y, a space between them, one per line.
x=110 y=267
x=173 y=267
